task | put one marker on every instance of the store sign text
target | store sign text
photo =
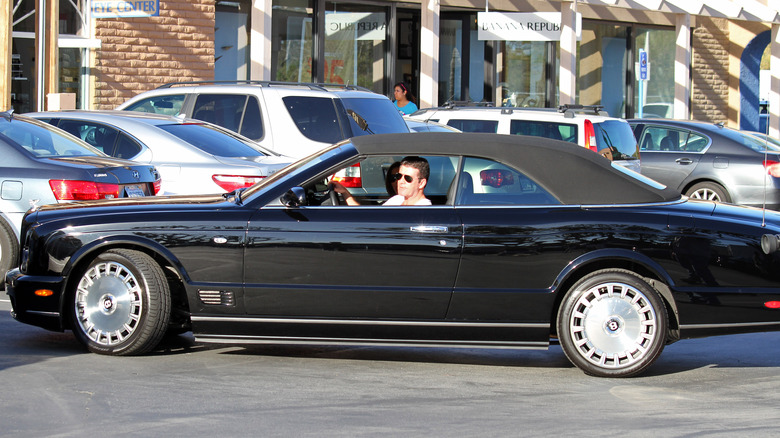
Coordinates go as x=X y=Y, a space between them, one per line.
x=125 y=8
x=521 y=26
x=356 y=26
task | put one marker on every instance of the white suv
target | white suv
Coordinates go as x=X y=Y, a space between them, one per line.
x=587 y=126
x=295 y=119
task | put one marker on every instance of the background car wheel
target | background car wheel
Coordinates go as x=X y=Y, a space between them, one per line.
x=708 y=191
x=612 y=323
x=9 y=251
x=122 y=304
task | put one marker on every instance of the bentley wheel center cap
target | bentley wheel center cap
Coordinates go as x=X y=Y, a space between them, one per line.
x=107 y=304
x=614 y=325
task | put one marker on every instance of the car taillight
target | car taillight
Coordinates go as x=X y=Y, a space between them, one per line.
x=772 y=168
x=156 y=186
x=68 y=190
x=233 y=182
x=590 y=136
x=349 y=177
x=496 y=178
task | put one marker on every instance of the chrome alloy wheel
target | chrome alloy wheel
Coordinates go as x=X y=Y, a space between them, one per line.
x=613 y=325
x=109 y=303
x=706 y=194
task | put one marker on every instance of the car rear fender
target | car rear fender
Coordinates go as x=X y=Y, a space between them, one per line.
x=633 y=261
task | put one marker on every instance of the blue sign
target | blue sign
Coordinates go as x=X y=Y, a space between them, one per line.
x=643 y=65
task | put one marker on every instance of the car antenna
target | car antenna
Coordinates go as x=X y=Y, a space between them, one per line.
x=766 y=171
x=8 y=115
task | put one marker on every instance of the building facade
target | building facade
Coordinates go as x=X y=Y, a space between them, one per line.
x=706 y=60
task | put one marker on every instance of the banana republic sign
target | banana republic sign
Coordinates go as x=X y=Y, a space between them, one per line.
x=522 y=26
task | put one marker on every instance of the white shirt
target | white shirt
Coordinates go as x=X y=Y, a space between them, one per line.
x=399 y=200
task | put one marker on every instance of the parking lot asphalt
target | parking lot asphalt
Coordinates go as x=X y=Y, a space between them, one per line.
x=716 y=387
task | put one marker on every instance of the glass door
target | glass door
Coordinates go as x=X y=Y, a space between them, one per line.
x=355 y=44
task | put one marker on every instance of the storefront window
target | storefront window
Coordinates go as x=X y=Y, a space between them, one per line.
x=523 y=77
x=656 y=95
x=231 y=40
x=292 y=40
x=72 y=47
x=355 y=44
x=462 y=60
x=601 y=67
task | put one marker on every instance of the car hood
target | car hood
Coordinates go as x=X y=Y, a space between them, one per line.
x=138 y=203
x=123 y=171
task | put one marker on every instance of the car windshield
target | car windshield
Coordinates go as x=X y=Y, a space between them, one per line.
x=44 y=140
x=213 y=141
x=617 y=135
x=755 y=140
x=381 y=115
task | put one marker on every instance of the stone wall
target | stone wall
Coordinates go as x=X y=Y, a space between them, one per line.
x=710 y=70
x=140 y=54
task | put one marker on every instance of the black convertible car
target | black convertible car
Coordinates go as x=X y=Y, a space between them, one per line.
x=528 y=241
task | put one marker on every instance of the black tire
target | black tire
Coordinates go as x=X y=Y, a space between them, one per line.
x=612 y=323
x=122 y=304
x=709 y=191
x=9 y=251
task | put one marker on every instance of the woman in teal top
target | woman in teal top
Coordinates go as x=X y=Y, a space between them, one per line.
x=404 y=99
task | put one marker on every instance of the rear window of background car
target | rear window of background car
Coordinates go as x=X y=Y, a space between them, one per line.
x=489 y=126
x=553 y=130
x=169 y=105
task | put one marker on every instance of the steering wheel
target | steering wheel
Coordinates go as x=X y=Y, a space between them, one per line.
x=334 y=196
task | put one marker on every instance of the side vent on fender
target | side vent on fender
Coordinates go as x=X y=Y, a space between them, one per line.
x=217 y=297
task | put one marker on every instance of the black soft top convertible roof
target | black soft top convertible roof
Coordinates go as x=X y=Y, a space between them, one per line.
x=573 y=174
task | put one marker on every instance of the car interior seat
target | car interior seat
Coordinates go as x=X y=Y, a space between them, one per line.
x=465 y=189
x=647 y=142
x=667 y=144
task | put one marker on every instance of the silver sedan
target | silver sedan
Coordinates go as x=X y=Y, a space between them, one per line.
x=193 y=157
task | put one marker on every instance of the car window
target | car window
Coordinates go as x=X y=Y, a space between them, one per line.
x=367 y=180
x=747 y=140
x=126 y=147
x=618 y=137
x=465 y=125
x=43 y=140
x=96 y=134
x=696 y=142
x=211 y=140
x=380 y=114
x=169 y=105
x=659 y=138
x=225 y=110
x=252 y=123
x=556 y=131
x=315 y=117
x=486 y=182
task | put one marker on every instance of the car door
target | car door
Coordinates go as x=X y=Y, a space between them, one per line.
x=665 y=155
x=514 y=249
x=366 y=262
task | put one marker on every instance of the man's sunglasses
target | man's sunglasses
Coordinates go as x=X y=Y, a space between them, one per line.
x=398 y=176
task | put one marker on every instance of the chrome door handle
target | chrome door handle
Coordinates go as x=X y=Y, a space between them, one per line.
x=429 y=229
x=683 y=161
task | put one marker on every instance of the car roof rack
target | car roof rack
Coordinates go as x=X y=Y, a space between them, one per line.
x=570 y=109
x=466 y=103
x=320 y=86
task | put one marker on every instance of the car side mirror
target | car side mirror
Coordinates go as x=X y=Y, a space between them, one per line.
x=295 y=197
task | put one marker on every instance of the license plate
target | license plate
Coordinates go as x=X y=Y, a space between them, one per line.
x=134 y=191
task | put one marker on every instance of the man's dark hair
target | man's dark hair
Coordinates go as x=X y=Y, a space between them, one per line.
x=419 y=163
